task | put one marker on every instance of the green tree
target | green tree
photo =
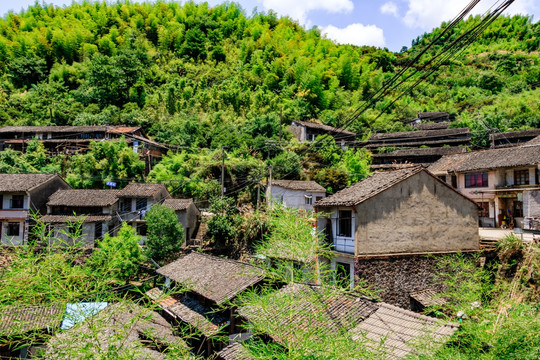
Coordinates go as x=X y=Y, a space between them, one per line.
x=118 y=256
x=165 y=234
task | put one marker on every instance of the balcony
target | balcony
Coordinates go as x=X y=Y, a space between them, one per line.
x=344 y=245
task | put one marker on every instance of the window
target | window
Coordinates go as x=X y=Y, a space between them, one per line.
x=483 y=210
x=521 y=177
x=98 y=231
x=518 y=209
x=13 y=229
x=17 y=201
x=476 y=180
x=1 y=201
x=142 y=229
x=317 y=198
x=141 y=204
x=308 y=199
x=125 y=205
x=345 y=223
x=442 y=177
x=454 y=181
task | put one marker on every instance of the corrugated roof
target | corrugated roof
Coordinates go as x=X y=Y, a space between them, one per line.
x=487 y=159
x=83 y=198
x=20 y=319
x=367 y=188
x=399 y=330
x=216 y=279
x=235 y=351
x=142 y=190
x=314 y=125
x=123 y=327
x=22 y=182
x=299 y=185
x=178 y=204
x=58 y=219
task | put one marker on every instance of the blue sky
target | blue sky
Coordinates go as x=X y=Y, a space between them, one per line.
x=384 y=23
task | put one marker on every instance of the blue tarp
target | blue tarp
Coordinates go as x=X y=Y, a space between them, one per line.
x=77 y=312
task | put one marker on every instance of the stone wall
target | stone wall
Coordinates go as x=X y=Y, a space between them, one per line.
x=397 y=276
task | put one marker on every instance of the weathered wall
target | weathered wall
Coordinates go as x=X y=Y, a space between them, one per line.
x=420 y=214
x=531 y=203
x=189 y=219
x=40 y=194
x=397 y=277
x=298 y=131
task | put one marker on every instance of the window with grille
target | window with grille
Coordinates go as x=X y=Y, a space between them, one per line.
x=308 y=199
x=476 y=180
x=521 y=177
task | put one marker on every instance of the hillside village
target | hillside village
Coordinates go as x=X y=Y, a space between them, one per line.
x=189 y=182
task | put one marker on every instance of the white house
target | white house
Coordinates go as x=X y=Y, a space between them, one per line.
x=295 y=193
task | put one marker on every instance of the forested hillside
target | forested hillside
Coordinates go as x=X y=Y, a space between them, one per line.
x=201 y=77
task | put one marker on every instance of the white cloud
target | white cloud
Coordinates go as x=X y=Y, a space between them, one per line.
x=389 y=8
x=427 y=14
x=356 y=34
x=298 y=10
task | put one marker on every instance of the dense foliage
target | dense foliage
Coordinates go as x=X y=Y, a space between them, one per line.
x=201 y=78
x=165 y=234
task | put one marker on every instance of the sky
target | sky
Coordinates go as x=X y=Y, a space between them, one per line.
x=383 y=23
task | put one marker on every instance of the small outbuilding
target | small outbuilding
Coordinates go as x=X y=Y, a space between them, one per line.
x=188 y=215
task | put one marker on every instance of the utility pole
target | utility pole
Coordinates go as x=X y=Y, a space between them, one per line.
x=280 y=122
x=269 y=188
x=222 y=171
x=258 y=193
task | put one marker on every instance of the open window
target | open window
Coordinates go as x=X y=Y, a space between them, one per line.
x=345 y=223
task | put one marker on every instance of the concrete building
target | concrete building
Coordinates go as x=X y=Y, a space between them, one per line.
x=188 y=215
x=397 y=213
x=295 y=193
x=307 y=131
x=96 y=209
x=501 y=181
x=21 y=194
x=136 y=199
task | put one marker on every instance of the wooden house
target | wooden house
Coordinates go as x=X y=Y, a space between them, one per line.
x=188 y=215
x=307 y=131
x=512 y=138
x=418 y=138
x=413 y=156
x=21 y=194
x=96 y=209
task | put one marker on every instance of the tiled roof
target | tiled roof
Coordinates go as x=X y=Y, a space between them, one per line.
x=488 y=159
x=58 y=219
x=419 y=134
x=123 y=129
x=178 y=204
x=299 y=185
x=422 y=152
x=433 y=115
x=20 y=319
x=235 y=351
x=300 y=311
x=514 y=134
x=399 y=330
x=22 y=182
x=142 y=190
x=430 y=126
x=323 y=127
x=367 y=188
x=216 y=279
x=297 y=309
x=189 y=311
x=54 y=129
x=427 y=297
x=120 y=326
x=83 y=198
x=535 y=141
